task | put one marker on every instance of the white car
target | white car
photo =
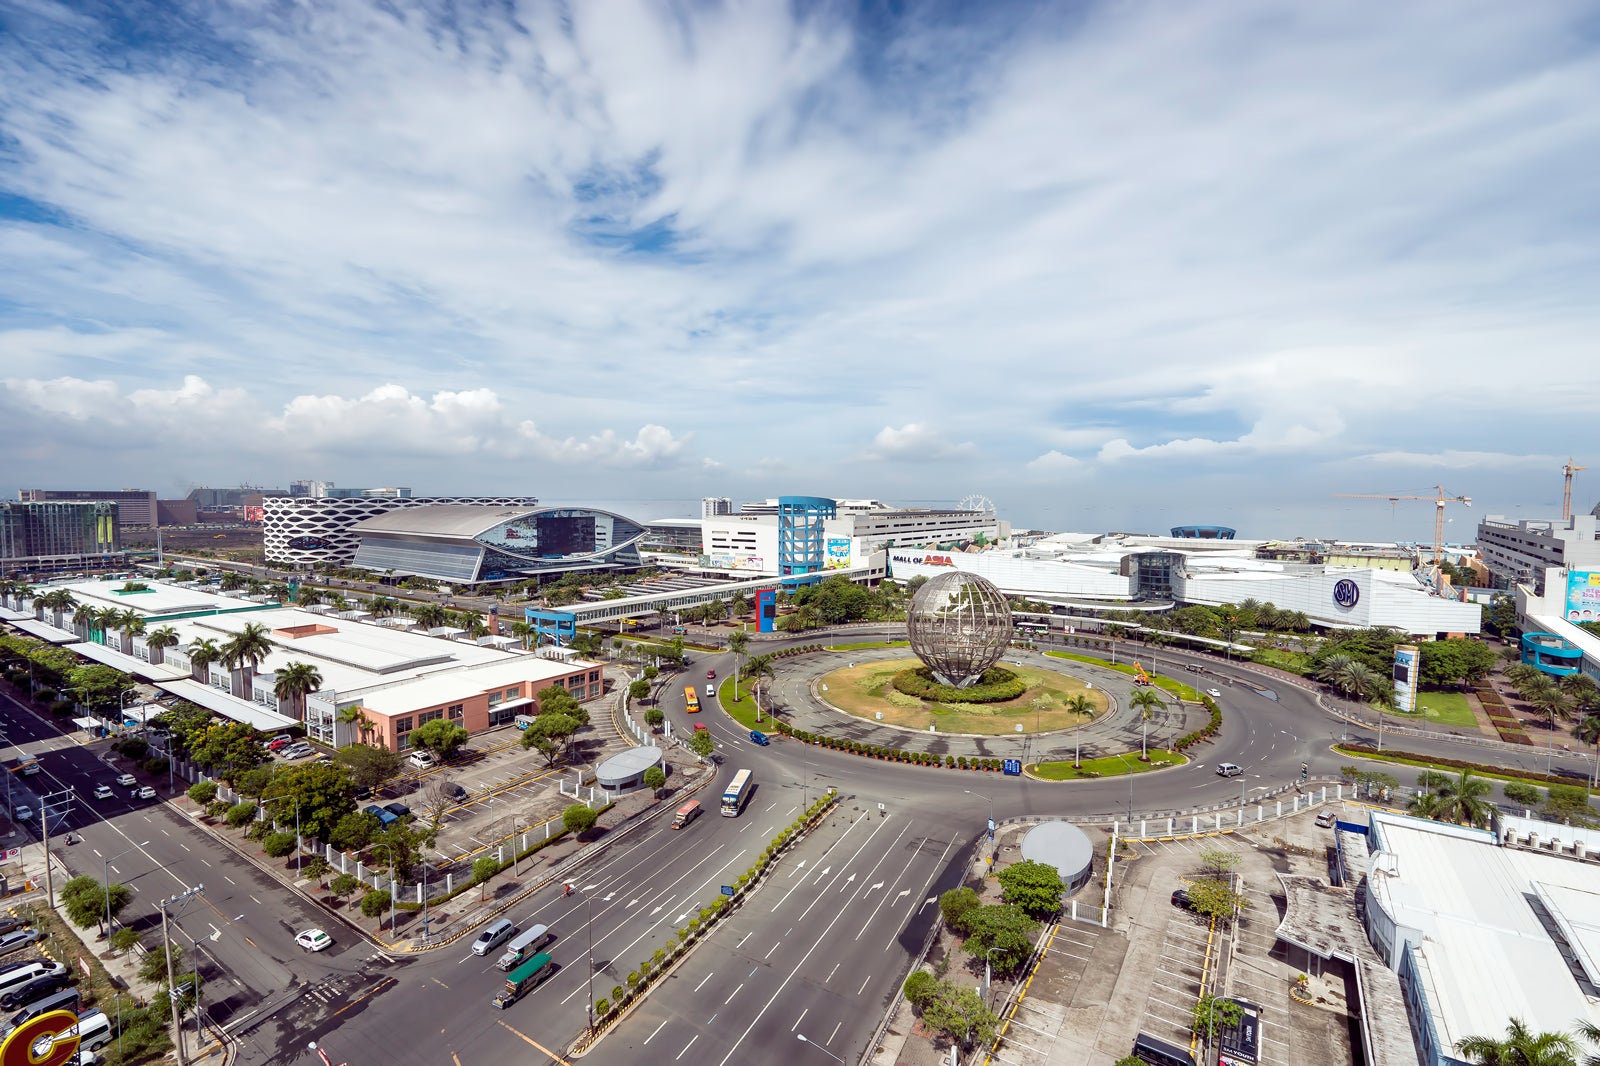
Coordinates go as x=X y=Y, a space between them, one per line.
x=103 y=792
x=147 y=793
x=126 y=780
x=314 y=940
x=23 y=814
x=1214 y=693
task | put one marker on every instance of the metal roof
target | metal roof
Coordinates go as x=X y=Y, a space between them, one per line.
x=454 y=520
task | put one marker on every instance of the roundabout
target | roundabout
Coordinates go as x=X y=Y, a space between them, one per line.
x=1049 y=701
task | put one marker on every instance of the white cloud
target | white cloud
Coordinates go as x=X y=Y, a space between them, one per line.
x=1054 y=462
x=915 y=442
x=1209 y=236
x=1462 y=460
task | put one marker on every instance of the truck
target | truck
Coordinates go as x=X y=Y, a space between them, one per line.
x=524 y=979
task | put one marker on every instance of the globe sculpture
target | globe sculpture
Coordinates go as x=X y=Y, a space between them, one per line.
x=959 y=625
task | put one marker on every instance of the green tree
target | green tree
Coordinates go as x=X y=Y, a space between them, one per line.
x=956 y=904
x=920 y=987
x=702 y=744
x=374 y=903
x=277 y=845
x=556 y=699
x=639 y=690
x=960 y=1013
x=86 y=901
x=344 y=886
x=228 y=749
x=153 y=967
x=440 y=736
x=292 y=682
x=1034 y=887
x=655 y=779
x=368 y=766
x=202 y=791
x=1464 y=800
x=241 y=815
x=1211 y=1014
x=247 y=649
x=483 y=868
x=738 y=644
x=1213 y=899
x=125 y=939
x=203 y=652
x=160 y=640
x=323 y=792
x=579 y=819
x=98 y=686
x=550 y=734
x=654 y=717
x=1146 y=701
x=1521 y=1047
x=1002 y=933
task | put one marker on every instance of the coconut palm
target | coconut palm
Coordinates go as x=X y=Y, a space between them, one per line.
x=1332 y=671
x=738 y=643
x=202 y=653
x=1081 y=707
x=105 y=619
x=1464 y=801
x=307 y=596
x=292 y=682
x=84 y=618
x=1365 y=682
x=57 y=602
x=525 y=632
x=379 y=606
x=132 y=625
x=1521 y=1047
x=476 y=627
x=1591 y=1032
x=430 y=615
x=231 y=581
x=247 y=648
x=1147 y=702
x=159 y=641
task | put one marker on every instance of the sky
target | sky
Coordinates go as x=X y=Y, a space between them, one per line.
x=1111 y=265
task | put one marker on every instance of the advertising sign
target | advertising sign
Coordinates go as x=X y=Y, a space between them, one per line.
x=1346 y=593
x=766 y=609
x=256 y=515
x=1583 y=596
x=48 y=1040
x=838 y=554
x=1405 y=678
x=729 y=561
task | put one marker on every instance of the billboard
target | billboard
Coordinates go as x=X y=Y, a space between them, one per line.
x=1405 y=678
x=1583 y=596
x=838 y=554
x=729 y=561
x=255 y=514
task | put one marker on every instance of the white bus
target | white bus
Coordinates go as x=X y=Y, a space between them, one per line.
x=735 y=794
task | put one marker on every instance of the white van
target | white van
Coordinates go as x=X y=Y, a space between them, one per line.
x=421 y=759
x=493 y=937
x=94 y=1030
x=525 y=946
x=22 y=973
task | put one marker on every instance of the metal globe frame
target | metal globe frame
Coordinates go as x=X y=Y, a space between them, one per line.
x=959 y=625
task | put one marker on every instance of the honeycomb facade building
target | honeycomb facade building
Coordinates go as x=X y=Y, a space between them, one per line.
x=300 y=531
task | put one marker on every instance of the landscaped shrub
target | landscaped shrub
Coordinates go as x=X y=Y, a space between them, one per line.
x=920 y=987
x=155 y=767
x=997 y=684
x=602 y=1006
x=277 y=845
x=1528 y=795
x=218 y=809
x=241 y=814
x=203 y=791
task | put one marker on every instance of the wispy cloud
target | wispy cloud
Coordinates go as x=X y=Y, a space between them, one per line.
x=1070 y=238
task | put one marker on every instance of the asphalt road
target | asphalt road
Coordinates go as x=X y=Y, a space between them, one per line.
x=241 y=928
x=775 y=969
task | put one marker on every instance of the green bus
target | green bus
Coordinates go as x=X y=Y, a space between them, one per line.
x=524 y=979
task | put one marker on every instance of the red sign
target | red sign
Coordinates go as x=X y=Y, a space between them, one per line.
x=937 y=560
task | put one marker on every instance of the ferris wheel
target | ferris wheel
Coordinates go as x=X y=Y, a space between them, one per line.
x=976 y=502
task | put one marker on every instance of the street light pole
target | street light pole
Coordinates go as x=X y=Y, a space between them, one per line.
x=588 y=925
x=819 y=1047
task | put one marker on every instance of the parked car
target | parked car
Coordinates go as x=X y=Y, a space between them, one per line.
x=103 y=792
x=398 y=809
x=1214 y=693
x=384 y=818
x=127 y=779
x=8 y=925
x=1326 y=819
x=456 y=792
x=18 y=938
x=22 y=813
x=278 y=744
x=39 y=986
x=421 y=759
x=314 y=940
x=293 y=754
x=1180 y=898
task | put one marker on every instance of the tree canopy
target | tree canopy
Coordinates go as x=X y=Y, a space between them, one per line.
x=1034 y=887
x=440 y=736
x=324 y=794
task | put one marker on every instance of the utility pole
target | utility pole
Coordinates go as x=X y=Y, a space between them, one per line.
x=172 y=989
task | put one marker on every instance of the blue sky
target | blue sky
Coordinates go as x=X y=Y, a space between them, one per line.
x=1113 y=265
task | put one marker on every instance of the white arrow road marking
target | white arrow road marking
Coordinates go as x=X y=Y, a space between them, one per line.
x=902 y=892
x=608 y=897
x=799 y=868
x=847 y=881
x=930 y=899
x=632 y=902
x=658 y=910
x=875 y=887
x=216 y=934
x=590 y=888
x=679 y=919
x=826 y=870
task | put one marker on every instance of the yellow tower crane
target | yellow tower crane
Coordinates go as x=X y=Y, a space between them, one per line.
x=1439 y=500
x=1566 y=489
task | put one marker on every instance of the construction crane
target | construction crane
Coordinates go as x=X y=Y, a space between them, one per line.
x=1439 y=500
x=1566 y=489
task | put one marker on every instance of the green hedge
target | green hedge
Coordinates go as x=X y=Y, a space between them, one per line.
x=1205 y=732
x=1486 y=769
x=996 y=685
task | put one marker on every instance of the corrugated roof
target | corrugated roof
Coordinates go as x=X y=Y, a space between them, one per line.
x=455 y=520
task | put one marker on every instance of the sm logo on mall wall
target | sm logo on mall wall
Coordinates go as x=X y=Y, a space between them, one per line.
x=1346 y=593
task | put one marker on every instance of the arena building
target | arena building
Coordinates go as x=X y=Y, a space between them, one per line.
x=309 y=531
x=469 y=543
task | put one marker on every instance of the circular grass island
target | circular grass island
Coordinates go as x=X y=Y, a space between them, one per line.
x=868 y=690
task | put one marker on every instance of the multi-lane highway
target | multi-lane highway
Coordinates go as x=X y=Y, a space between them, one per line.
x=818 y=950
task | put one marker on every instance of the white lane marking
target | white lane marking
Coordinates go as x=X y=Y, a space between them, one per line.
x=657 y=1029
x=704 y=979
x=735 y=992
x=689 y=1045
x=831 y=972
x=230 y=880
x=798 y=1020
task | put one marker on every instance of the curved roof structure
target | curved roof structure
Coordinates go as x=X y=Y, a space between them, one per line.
x=466 y=543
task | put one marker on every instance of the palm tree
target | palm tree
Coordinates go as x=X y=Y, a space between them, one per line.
x=308 y=596
x=104 y=619
x=231 y=581
x=159 y=641
x=1591 y=1032
x=58 y=602
x=1147 y=701
x=476 y=627
x=525 y=632
x=1521 y=1047
x=244 y=652
x=1080 y=706
x=738 y=643
x=1332 y=671
x=292 y=682
x=356 y=715
x=380 y=606
x=1464 y=801
x=84 y=618
x=202 y=653
x=1363 y=680
x=758 y=667
x=430 y=615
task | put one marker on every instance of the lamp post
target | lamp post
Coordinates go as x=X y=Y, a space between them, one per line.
x=105 y=880
x=588 y=926
x=806 y=1040
x=166 y=943
x=1130 y=768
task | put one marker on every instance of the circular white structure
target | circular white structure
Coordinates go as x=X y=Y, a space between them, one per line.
x=626 y=769
x=1064 y=846
x=959 y=625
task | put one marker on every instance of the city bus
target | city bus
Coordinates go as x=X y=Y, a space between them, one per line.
x=692 y=698
x=735 y=794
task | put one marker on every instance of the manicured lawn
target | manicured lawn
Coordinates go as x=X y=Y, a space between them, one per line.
x=869 y=644
x=741 y=706
x=1293 y=661
x=866 y=690
x=1108 y=766
x=1442 y=708
x=1450 y=771
x=1166 y=684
